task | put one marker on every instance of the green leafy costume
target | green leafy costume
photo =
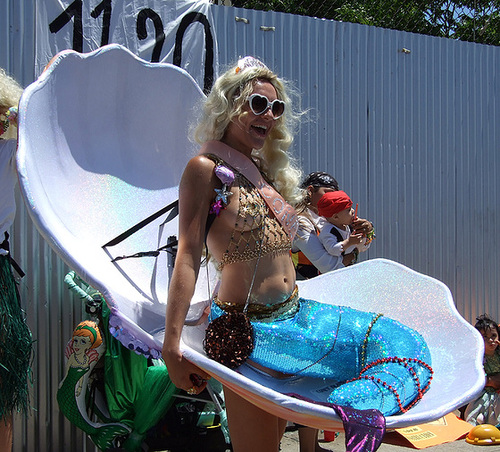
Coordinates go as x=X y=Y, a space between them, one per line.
x=15 y=345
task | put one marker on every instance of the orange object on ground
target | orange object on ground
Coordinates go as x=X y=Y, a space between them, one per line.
x=484 y=435
x=329 y=436
x=446 y=429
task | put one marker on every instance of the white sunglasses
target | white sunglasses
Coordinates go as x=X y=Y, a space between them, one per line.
x=259 y=104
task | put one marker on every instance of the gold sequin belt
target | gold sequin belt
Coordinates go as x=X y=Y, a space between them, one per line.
x=264 y=312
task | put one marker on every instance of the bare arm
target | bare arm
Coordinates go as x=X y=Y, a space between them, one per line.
x=195 y=195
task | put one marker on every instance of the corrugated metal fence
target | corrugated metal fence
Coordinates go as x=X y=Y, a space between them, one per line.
x=408 y=124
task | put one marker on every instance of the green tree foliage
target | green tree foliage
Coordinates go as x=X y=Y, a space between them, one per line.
x=479 y=23
x=467 y=20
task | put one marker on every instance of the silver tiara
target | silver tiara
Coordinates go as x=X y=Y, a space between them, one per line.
x=249 y=62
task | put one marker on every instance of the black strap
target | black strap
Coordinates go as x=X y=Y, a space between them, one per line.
x=152 y=253
x=174 y=211
x=210 y=220
x=174 y=206
x=5 y=246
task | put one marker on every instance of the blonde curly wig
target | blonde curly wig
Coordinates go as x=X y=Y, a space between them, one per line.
x=225 y=103
x=10 y=93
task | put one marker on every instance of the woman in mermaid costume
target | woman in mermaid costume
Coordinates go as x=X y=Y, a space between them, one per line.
x=242 y=215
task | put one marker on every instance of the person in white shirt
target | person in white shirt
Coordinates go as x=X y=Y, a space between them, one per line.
x=336 y=235
x=310 y=256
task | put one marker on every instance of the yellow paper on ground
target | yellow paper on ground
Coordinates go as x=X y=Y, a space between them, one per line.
x=444 y=430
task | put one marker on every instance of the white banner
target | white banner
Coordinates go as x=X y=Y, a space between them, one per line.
x=171 y=31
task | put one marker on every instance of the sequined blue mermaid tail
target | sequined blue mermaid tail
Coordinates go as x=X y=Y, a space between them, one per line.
x=378 y=362
x=395 y=370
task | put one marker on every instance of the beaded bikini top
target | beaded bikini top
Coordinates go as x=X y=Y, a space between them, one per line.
x=253 y=224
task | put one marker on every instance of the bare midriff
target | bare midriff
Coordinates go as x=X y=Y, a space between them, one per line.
x=274 y=280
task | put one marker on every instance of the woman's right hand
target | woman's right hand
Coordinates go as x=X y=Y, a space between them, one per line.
x=194 y=205
x=184 y=374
